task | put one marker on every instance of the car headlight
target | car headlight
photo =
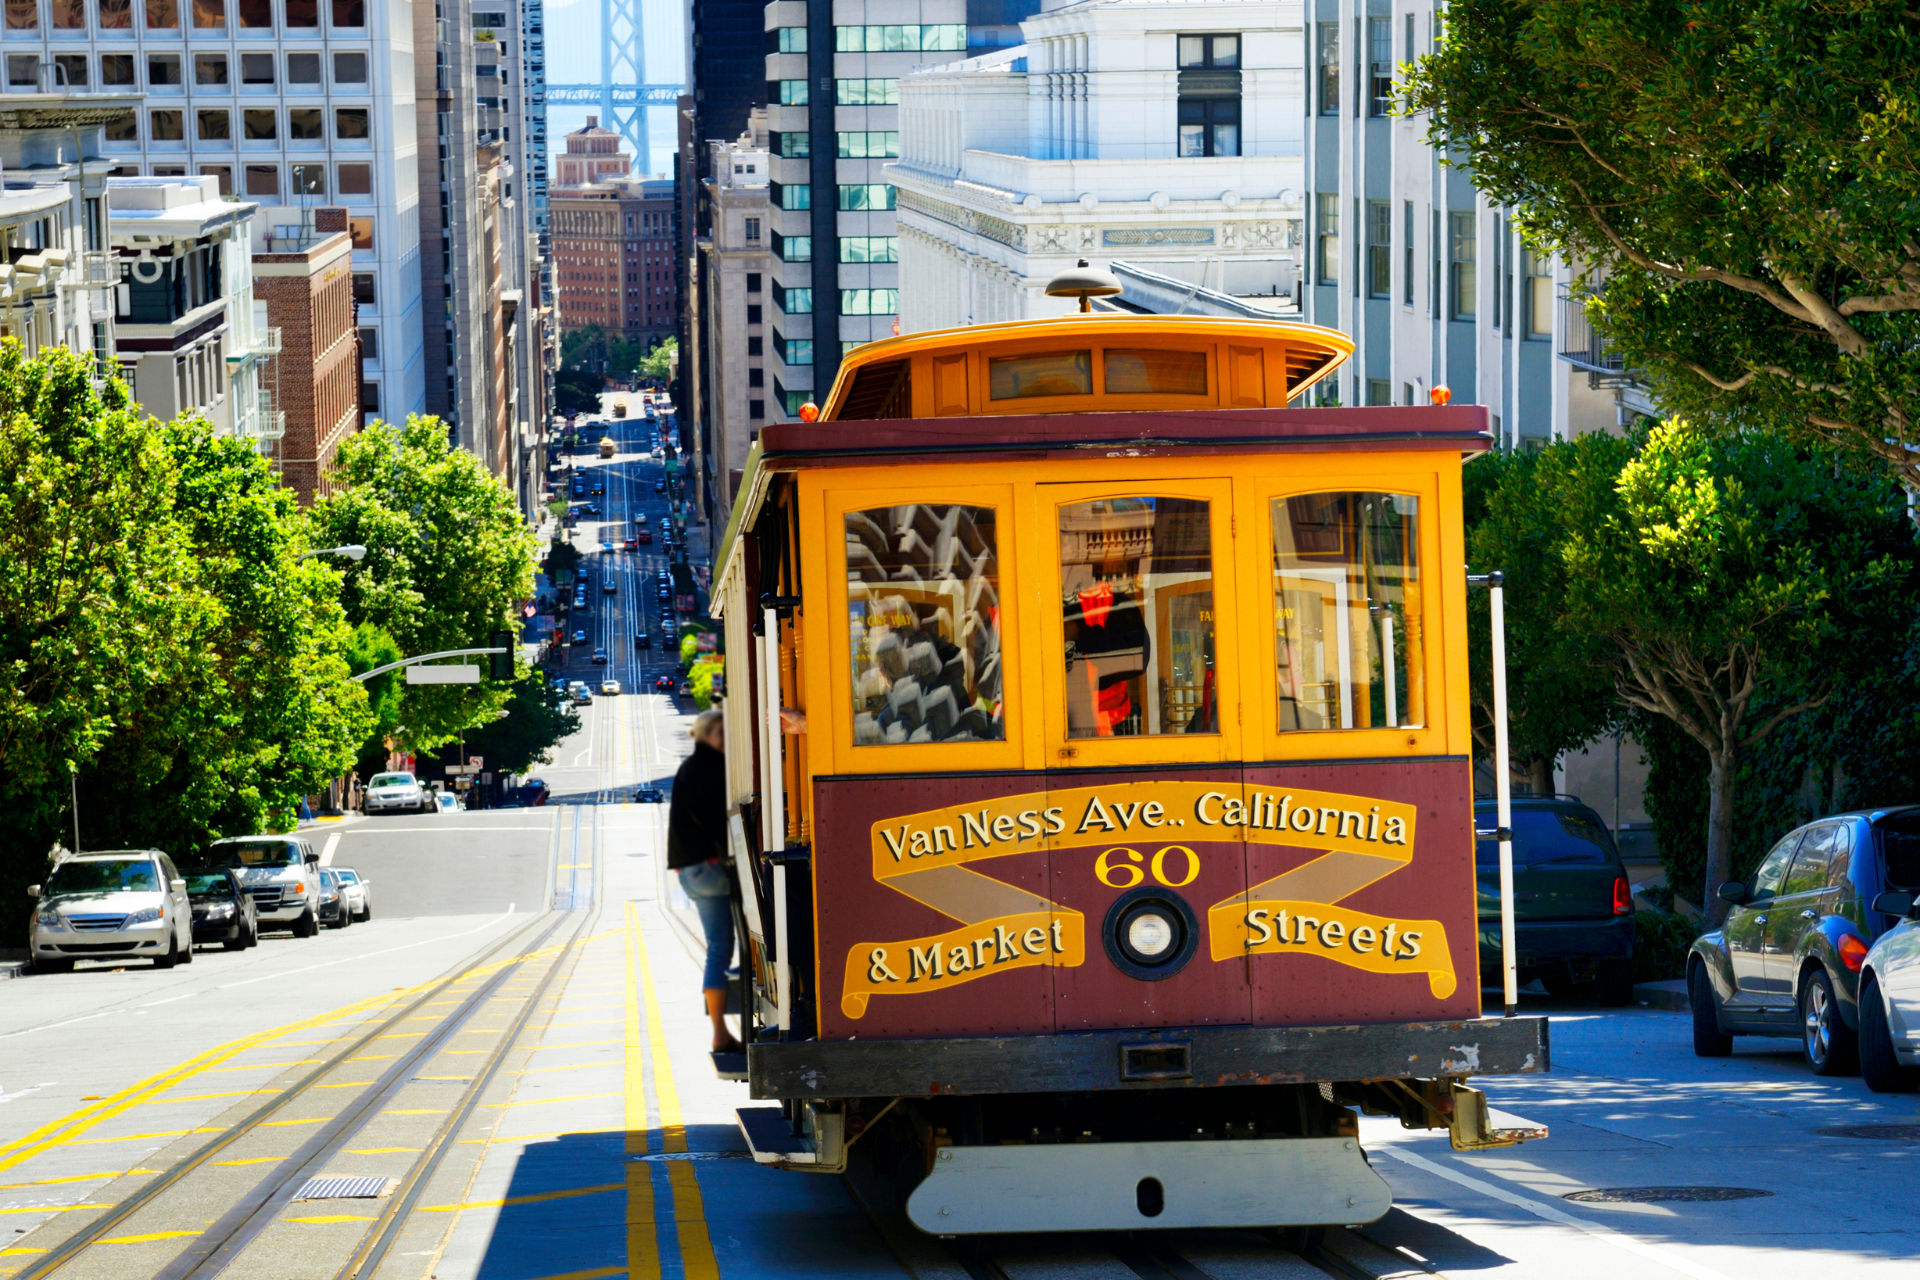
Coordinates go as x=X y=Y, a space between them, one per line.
x=146 y=915
x=218 y=910
x=295 y=890
x=50 y=920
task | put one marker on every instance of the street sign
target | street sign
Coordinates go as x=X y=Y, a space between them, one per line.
x=476 y=761
x=457 y=673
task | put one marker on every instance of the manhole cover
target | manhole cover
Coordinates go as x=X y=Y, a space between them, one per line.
x=1658 y=1195
x=1874 y=1132
x=345 y=1188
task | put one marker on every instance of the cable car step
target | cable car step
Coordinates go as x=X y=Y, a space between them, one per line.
x=771 y=1139
x=1116 y=1186
x=730 y=1066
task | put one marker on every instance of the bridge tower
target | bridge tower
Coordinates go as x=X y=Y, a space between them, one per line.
x=623 y=66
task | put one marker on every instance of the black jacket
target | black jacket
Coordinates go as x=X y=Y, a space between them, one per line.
x=697 y=822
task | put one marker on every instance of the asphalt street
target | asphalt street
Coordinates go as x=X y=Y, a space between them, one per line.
x=596 y=1140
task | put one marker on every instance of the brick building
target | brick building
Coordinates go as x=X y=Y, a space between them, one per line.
x=613 y=258
x=303 y=272
x=593 y=154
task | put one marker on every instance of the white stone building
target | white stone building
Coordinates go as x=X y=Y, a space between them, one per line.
x=1166 y=134
x=736 y=287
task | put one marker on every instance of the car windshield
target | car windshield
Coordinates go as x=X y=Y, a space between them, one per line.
x=1546 y=837
x=391 y=780
x=1900 y=848
x=209 y=884
x=347 y=877
x=115 y=875
x=255 y=853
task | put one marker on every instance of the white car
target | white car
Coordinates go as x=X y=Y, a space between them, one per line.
x=1889 y=989
x=356 y=894
x=397 y=793
x=280 y=873
x=124 y=904
x=448 y=803
x=610 y=688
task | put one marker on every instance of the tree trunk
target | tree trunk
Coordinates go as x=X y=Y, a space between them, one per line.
x=1540 y=776
x=1719 y=834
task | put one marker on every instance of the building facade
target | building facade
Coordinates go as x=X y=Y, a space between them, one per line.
x=300 y=104
x=1167 y=135
x=613 y=251
x=303 y=277
x=593 y=154
x=736 y=275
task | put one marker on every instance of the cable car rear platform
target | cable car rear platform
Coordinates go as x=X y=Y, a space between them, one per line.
x=1160 y=1058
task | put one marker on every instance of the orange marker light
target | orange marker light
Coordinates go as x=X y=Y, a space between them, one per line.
x=1440 y=394
x=809 y=411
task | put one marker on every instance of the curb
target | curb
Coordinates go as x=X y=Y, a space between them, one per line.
x=12 y=969
x=1671 y=994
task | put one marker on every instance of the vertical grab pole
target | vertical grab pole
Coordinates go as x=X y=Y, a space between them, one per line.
x=1503 y=789
x=776 y=809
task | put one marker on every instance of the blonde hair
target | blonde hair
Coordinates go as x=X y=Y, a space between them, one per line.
x=703 y=724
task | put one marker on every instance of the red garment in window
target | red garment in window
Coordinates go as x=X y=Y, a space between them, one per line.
x=1095 y=604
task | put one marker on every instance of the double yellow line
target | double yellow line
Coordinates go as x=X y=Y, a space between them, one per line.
x=647 y=1061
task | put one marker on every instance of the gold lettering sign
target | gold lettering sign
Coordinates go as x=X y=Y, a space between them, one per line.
x=927 y=855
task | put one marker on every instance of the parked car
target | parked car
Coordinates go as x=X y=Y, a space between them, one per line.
x=114 y=904
x=1788 y=960
x=649 y=795
x=397 y=792
x=610 y=688
x=280 y=873
x=1572 y=905
x=447 y=803
x=333 y=906
x=223 y=910
x=356 y=892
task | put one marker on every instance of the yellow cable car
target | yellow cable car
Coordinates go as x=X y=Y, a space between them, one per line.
x=1133 y=804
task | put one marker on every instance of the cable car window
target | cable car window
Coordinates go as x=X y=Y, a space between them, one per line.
x=1137 y=585
x=923 y=604
x=1166 y=373
x=1347 y=611
x=1049 y=373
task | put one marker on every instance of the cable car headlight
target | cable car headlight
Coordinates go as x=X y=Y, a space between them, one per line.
x=1150 y=933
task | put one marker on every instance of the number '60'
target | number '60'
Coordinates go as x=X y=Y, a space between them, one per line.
x=1125 y=875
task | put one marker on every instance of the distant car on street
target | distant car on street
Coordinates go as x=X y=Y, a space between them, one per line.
x=599 y=487
x=600 y=656
x=607 y=587
x=580 y=636
x=649 y=795
x=610 y=688
x=223 y=910
x=1788 y=961
x=356 y=892
x=448 y=803
x=659 y=486
x=534 y=791
x=395 y=793
x=641 y=640
x=333 y=908
x=1573 y=907
x=582 y=696
x=663 y=683
x=119 y=904
x=1890 y=983
x=644 y=537
x=281 y=872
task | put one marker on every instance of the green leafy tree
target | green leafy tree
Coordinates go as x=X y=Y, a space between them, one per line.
x=1560 y=693
x=1732 y=580
x=528 y=728
x=576 y=392
x=1739 y=177
x=449 y=560
x=659 y=361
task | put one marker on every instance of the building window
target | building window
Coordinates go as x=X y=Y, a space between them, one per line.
x=303 y=13
x=1539 y=296
x=866 y=195
x=116 y=69
x=794 y=302
x=1329 y=79
x=210 y=15
x=792 y=93
x=71 y=68
x=1462 y=258
x=935 y=37
x=303 y=68
x=869 y=302
x=210 y=69
x=754 y=344
x=796 y=351
x=356 y=179
x=1380 y=66
x=263 y=179
x=369 y=344
x=1433 y=263
x=361 y=229
x=797 y=145
x=790 y=40
x=1406 y=253
x=1210 y=126
x=369 y=397
x=260 y=124
x=753 y=282
x=350 y=122
x=1406 y=388
x=116 y=15
x=363 y=294
x=791 y=196
x=792 y=248
x=753 y=231
x=123 y=128
x=866 y=93
x=308 y=179
x=754 y=314
x=1379 y=249
x=162 y=69
x=349 y=68
x=756 y=409
x=756 y=377
x=1379 y=391
x=1209 y=52
x=869 y=145
x=869 y=248
x=256 y=68
x=1327 y=247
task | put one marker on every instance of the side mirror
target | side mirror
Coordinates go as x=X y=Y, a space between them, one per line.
x=33 y=891
x=1894 y=902
x=313 y=859
x=1735 y=891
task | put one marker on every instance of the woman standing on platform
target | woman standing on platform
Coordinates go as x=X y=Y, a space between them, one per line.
x=696 y=842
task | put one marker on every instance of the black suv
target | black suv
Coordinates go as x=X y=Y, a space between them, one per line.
x=1572 y=905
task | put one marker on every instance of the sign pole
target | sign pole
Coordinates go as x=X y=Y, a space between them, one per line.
x=1496 y=582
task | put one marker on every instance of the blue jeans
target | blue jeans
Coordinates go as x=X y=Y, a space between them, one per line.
x=706 y=884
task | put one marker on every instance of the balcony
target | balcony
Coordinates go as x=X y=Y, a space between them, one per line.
x=99 y=270
x=266 y=342
x=1587 y=349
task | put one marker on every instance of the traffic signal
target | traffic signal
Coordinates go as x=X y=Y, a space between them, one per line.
x=500 y=665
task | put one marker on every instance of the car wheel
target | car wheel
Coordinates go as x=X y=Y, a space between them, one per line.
x=366 y=913
x=172 y=957
x=1615 y=983
x=306 y=926
x=1831 y=1048
x=1882 y=1071
x=1709 y=1041
x=186 y=954
x=238 y=942
x=339 y=921
x=1559 y=983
